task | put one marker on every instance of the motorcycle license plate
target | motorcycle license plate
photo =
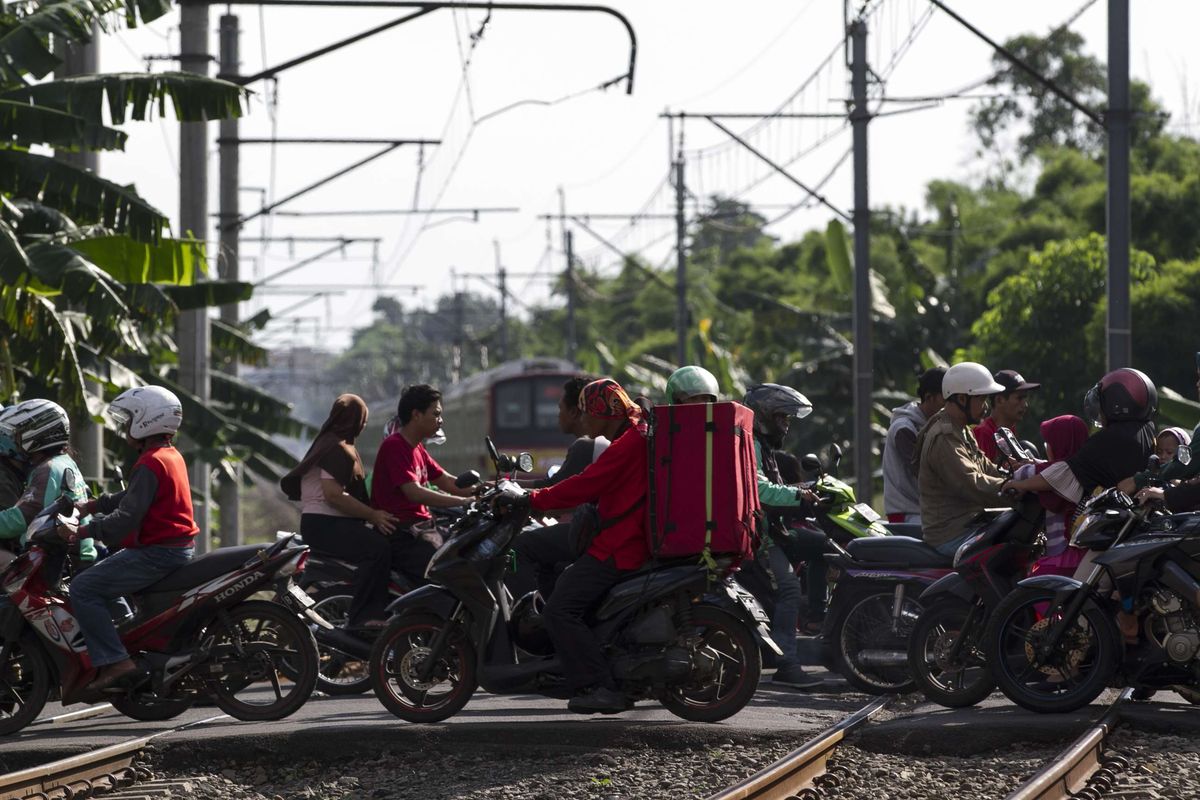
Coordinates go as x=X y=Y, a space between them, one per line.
x=866 y=512
x=300 y=596
x=749 y=603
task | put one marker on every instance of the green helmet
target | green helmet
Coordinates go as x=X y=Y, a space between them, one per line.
x=688 y=382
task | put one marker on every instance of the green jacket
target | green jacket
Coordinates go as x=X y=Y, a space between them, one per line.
x=47 y=482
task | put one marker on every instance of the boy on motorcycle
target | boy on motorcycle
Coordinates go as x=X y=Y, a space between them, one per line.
x=152 y=520
x=774 y=407
x=36 y=435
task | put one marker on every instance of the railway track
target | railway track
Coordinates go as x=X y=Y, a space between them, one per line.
x=105 y=768
x=797 y=774
x=1082 y=770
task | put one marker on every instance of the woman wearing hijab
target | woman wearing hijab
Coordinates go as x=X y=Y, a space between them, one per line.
x=1064 y=436
x=335 y=515
x=617 y=483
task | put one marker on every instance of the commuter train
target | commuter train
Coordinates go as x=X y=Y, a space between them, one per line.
x=515 y=403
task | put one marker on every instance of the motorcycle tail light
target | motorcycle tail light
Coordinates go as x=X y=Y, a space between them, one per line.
x=294 y=565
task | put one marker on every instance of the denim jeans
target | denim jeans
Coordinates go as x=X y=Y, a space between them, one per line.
x=787 y=604
x=120 y=574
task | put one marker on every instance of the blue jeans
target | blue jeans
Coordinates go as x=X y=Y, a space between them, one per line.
x=120 y=574
x=788 y=593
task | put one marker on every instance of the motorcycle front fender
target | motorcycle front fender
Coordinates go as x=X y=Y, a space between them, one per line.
x=1057 y=583
x=952 y=585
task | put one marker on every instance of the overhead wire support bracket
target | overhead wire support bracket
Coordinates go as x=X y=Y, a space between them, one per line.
x=810 y=192
x=379 y=212
x=422 y=9
x=325 y=140
x=1012 y=58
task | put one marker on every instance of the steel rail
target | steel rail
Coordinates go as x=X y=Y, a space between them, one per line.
x=71 y=776
x=795 y=772
x=72 y=716
x=1073 y=768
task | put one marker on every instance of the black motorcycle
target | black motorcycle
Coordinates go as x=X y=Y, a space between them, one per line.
x=1055 y=644
x=945 y=649
x=674 y=632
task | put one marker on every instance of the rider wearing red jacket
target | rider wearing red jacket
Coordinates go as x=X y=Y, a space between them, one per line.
x=617 y=483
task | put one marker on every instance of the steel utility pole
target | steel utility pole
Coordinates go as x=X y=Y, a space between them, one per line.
x=572 y=341
x=681 y=308
x=860 y=116
x=1117 y=119
x=502 y=285
x=192 y=331
x=230 y=489
x=87 y=436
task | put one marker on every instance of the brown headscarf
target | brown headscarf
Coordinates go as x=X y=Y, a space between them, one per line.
x=333 y=450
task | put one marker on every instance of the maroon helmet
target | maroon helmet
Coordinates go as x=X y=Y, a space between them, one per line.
x=1123 y=394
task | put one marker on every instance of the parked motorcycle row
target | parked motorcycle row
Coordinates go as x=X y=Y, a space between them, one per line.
x=255 y=629
x=902 y=617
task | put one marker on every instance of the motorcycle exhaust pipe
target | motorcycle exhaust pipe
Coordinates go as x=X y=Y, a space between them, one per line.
x=883 y=658
x=338 y=639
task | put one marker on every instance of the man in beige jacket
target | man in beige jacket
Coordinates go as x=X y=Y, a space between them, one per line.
x=956 y=480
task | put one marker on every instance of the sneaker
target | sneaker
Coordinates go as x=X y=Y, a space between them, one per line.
x=599 y=700
x=793 y=675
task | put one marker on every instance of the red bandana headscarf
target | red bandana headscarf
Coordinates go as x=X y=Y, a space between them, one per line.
x=605 y=399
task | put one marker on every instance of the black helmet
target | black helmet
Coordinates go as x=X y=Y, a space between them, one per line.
x=770 y=399
x=1121 y=395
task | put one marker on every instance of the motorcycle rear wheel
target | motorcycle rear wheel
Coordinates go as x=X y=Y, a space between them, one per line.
x=25 y=684
x=399 y=653
x=963 y=682
x=864 y=623
x=338 y=673
x=727 y=640
x=1076 y=672
x=270 y=658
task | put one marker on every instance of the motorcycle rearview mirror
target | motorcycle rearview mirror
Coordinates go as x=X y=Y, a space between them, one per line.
x=1184 y=454
x=550 y=473
x=835 y=457
x=119 y=474
x=525 y=463
x=809 y=462
x=1155 y=462
x=468 y=478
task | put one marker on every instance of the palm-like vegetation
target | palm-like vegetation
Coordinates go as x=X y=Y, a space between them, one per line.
x=91 y=282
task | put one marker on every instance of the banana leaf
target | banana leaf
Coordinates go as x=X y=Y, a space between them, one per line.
x=134 y=95
x=25 y=125
x=79 y=193
x=248 y=404
x=1177 y=409
x=172 y=261
x=837 y=253
x=208 y=294
x=233 y=342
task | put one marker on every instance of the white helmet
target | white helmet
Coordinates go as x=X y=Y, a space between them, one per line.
x=148 y=410
x=970 y=379
x=34 y=425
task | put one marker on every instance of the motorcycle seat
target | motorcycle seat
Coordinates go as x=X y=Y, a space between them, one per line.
x=896 y=550
x=204 y=568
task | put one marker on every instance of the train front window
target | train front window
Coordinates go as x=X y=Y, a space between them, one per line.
x=547 y=394
x=512 y=405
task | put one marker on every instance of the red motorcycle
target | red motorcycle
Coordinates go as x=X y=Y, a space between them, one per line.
x=197 y=633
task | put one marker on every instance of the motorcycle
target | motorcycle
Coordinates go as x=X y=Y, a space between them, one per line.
x=1054 y=642
x=196 y=633
x=670 y=631
x=945 y=650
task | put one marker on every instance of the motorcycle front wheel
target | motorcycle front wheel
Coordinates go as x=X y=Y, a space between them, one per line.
x=1069 y=677
x=955 y=682
x=266 y=661
x=869 y=652
x=25 y=684
x=727 y=666
x=400 y=652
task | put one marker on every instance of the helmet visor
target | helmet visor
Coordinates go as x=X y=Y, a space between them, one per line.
x=1091 y=406
x=119 y=417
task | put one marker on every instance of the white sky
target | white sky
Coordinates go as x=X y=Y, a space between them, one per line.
x=607 y=150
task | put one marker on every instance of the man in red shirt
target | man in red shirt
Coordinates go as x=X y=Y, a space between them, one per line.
x=1008 y=409
x=403 y=470
x=617 y=483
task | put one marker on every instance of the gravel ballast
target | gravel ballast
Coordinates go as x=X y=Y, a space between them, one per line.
x=875 y=776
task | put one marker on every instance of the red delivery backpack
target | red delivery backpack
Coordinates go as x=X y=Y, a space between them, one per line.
x=703 y=484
